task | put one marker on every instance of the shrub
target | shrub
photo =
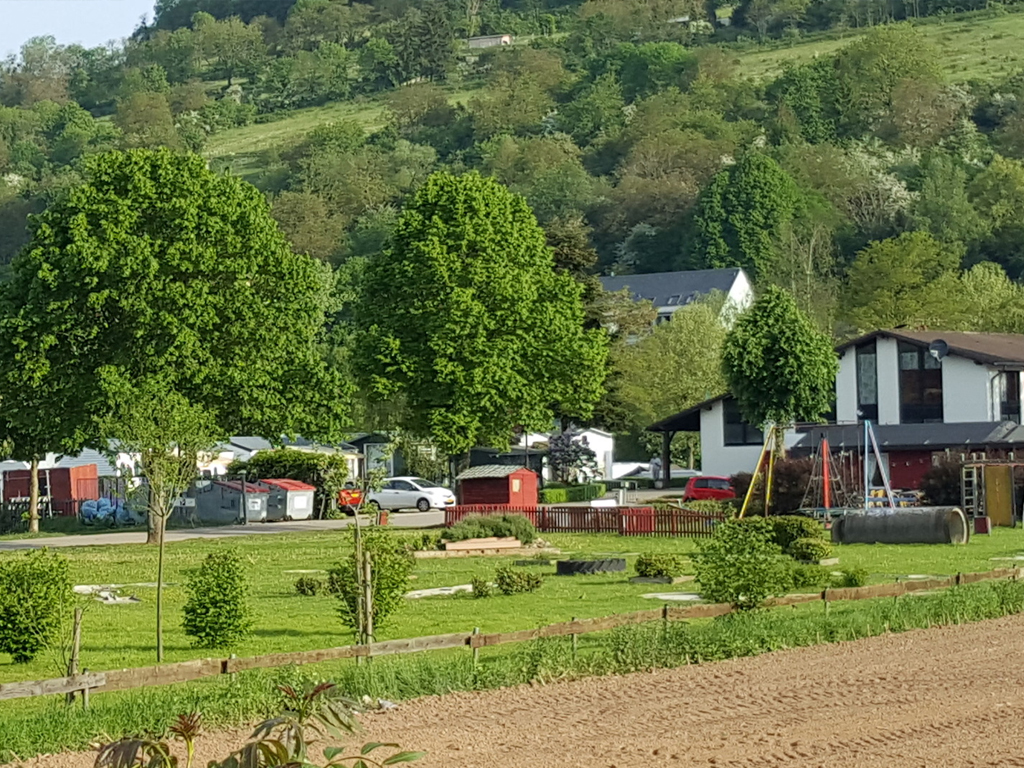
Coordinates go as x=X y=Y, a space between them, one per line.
x=711 y=506
x=485 y=526
x=851 y=577
x=940 y=485
x=481 y=587
x=660 y=566
x=564 y=495
x=217 y=613
x=512 y=582
x=428 y=542
x=308 y=585
x=391 y=567
x=35 y=597
x=807 y=576
x=811 y=550
x=790 y=528
x=791 y=478
x=741 y=564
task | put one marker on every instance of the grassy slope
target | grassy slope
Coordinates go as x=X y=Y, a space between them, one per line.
x=971 y=48
x=122 y=635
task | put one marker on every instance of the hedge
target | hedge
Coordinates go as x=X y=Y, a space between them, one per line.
x=572 y=493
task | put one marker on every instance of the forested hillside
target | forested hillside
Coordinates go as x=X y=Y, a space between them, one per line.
x=876 y=185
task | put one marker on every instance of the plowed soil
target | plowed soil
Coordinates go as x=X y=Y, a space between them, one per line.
x=935 y=698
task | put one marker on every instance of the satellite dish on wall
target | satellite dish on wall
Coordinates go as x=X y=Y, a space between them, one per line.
x=938 y=349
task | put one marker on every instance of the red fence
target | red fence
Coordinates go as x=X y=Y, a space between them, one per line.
x=625 y=521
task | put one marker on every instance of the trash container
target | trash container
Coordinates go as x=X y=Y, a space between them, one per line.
x=382 y=517
x=983 y=525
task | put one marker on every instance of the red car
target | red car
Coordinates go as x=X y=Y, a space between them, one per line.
x=349 y=498
x=708 y=487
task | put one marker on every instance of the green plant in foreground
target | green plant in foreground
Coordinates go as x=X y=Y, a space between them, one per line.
x=481 y=587
x=35 y=595
x=217 y=613
x=809 y=550
x=512 y=582
x=656 y=565
x=741 y=564
x=308 y=586
x=391 y=567
x=851 y=577
x=153 y=752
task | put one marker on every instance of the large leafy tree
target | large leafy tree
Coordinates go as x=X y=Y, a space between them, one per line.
x=778 y=366
x=742 y=212
x=896 y=282
x=159 y=306
x=467 y=321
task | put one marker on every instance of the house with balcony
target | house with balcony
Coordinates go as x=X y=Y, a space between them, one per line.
x=927 y=394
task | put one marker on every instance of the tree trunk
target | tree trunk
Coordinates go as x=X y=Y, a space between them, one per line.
x=33 y=495
x=155 y=528
x=160 y=589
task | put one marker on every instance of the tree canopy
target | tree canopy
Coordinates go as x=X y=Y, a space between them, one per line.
x=467 y=321
x=779 y=367
x=156 y=277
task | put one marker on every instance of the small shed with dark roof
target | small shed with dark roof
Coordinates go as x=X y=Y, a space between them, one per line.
x=498 y=484
x=221 y=501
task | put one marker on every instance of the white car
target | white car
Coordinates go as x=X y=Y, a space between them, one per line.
x=410 y=493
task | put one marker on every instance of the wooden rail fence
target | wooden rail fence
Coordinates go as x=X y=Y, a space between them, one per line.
x=185 y=671
x=625 y=521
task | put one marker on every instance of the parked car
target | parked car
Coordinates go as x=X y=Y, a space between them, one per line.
x=349 y=498
x=410 y=493
x=704 y=487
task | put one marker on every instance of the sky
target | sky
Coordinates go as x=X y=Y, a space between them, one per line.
x=88 y=22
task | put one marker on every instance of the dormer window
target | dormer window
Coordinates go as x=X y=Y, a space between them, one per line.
x=672 y=300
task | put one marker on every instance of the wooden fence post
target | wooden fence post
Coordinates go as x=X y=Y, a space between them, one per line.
x=575 y=642
x=368 y=599
x=476 y=648
x=85 y=693
x=76 y=645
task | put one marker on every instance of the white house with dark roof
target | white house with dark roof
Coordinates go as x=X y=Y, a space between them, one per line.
x=671 y=291
x=928 y=392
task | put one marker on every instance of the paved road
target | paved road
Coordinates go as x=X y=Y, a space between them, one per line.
x=401 y=520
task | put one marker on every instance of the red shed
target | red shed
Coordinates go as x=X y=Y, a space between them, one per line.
x=498 y=484
x=64 y=486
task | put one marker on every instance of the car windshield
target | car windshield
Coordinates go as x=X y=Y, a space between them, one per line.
x=424 y=483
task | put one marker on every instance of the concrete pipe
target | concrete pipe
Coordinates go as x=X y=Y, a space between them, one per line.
x=905 y=525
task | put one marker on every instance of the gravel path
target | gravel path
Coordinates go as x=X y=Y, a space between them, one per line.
x=941 y=697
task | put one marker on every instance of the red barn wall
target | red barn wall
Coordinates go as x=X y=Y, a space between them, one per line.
x=484 y=490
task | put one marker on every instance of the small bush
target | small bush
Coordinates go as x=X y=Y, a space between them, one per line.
x=789 y=528
x=512 y=582
x=566 y=494
x=810 y=550
x=940 y=485
x=217 y=614
x=481 y=587
x=309 y=586
x=35 y=596
x=808 y=576
x=428 y=542
x=485 y=526
x=655 y=566
x=850 y=577
x=711 y=507
x=741 y=564
x=391 y=567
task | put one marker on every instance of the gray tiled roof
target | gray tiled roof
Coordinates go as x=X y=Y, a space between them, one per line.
x=664 y=289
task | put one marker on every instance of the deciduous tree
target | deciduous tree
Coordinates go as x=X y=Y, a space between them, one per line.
x=778 y=366
x=466 y=319
x=159 y=306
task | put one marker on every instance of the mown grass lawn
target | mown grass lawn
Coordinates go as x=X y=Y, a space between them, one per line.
x=970 y=48
x=116 y=636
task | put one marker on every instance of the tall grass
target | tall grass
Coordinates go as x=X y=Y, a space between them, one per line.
x=46 y=725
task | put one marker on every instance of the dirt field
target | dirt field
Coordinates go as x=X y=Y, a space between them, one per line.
x=937 y=698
